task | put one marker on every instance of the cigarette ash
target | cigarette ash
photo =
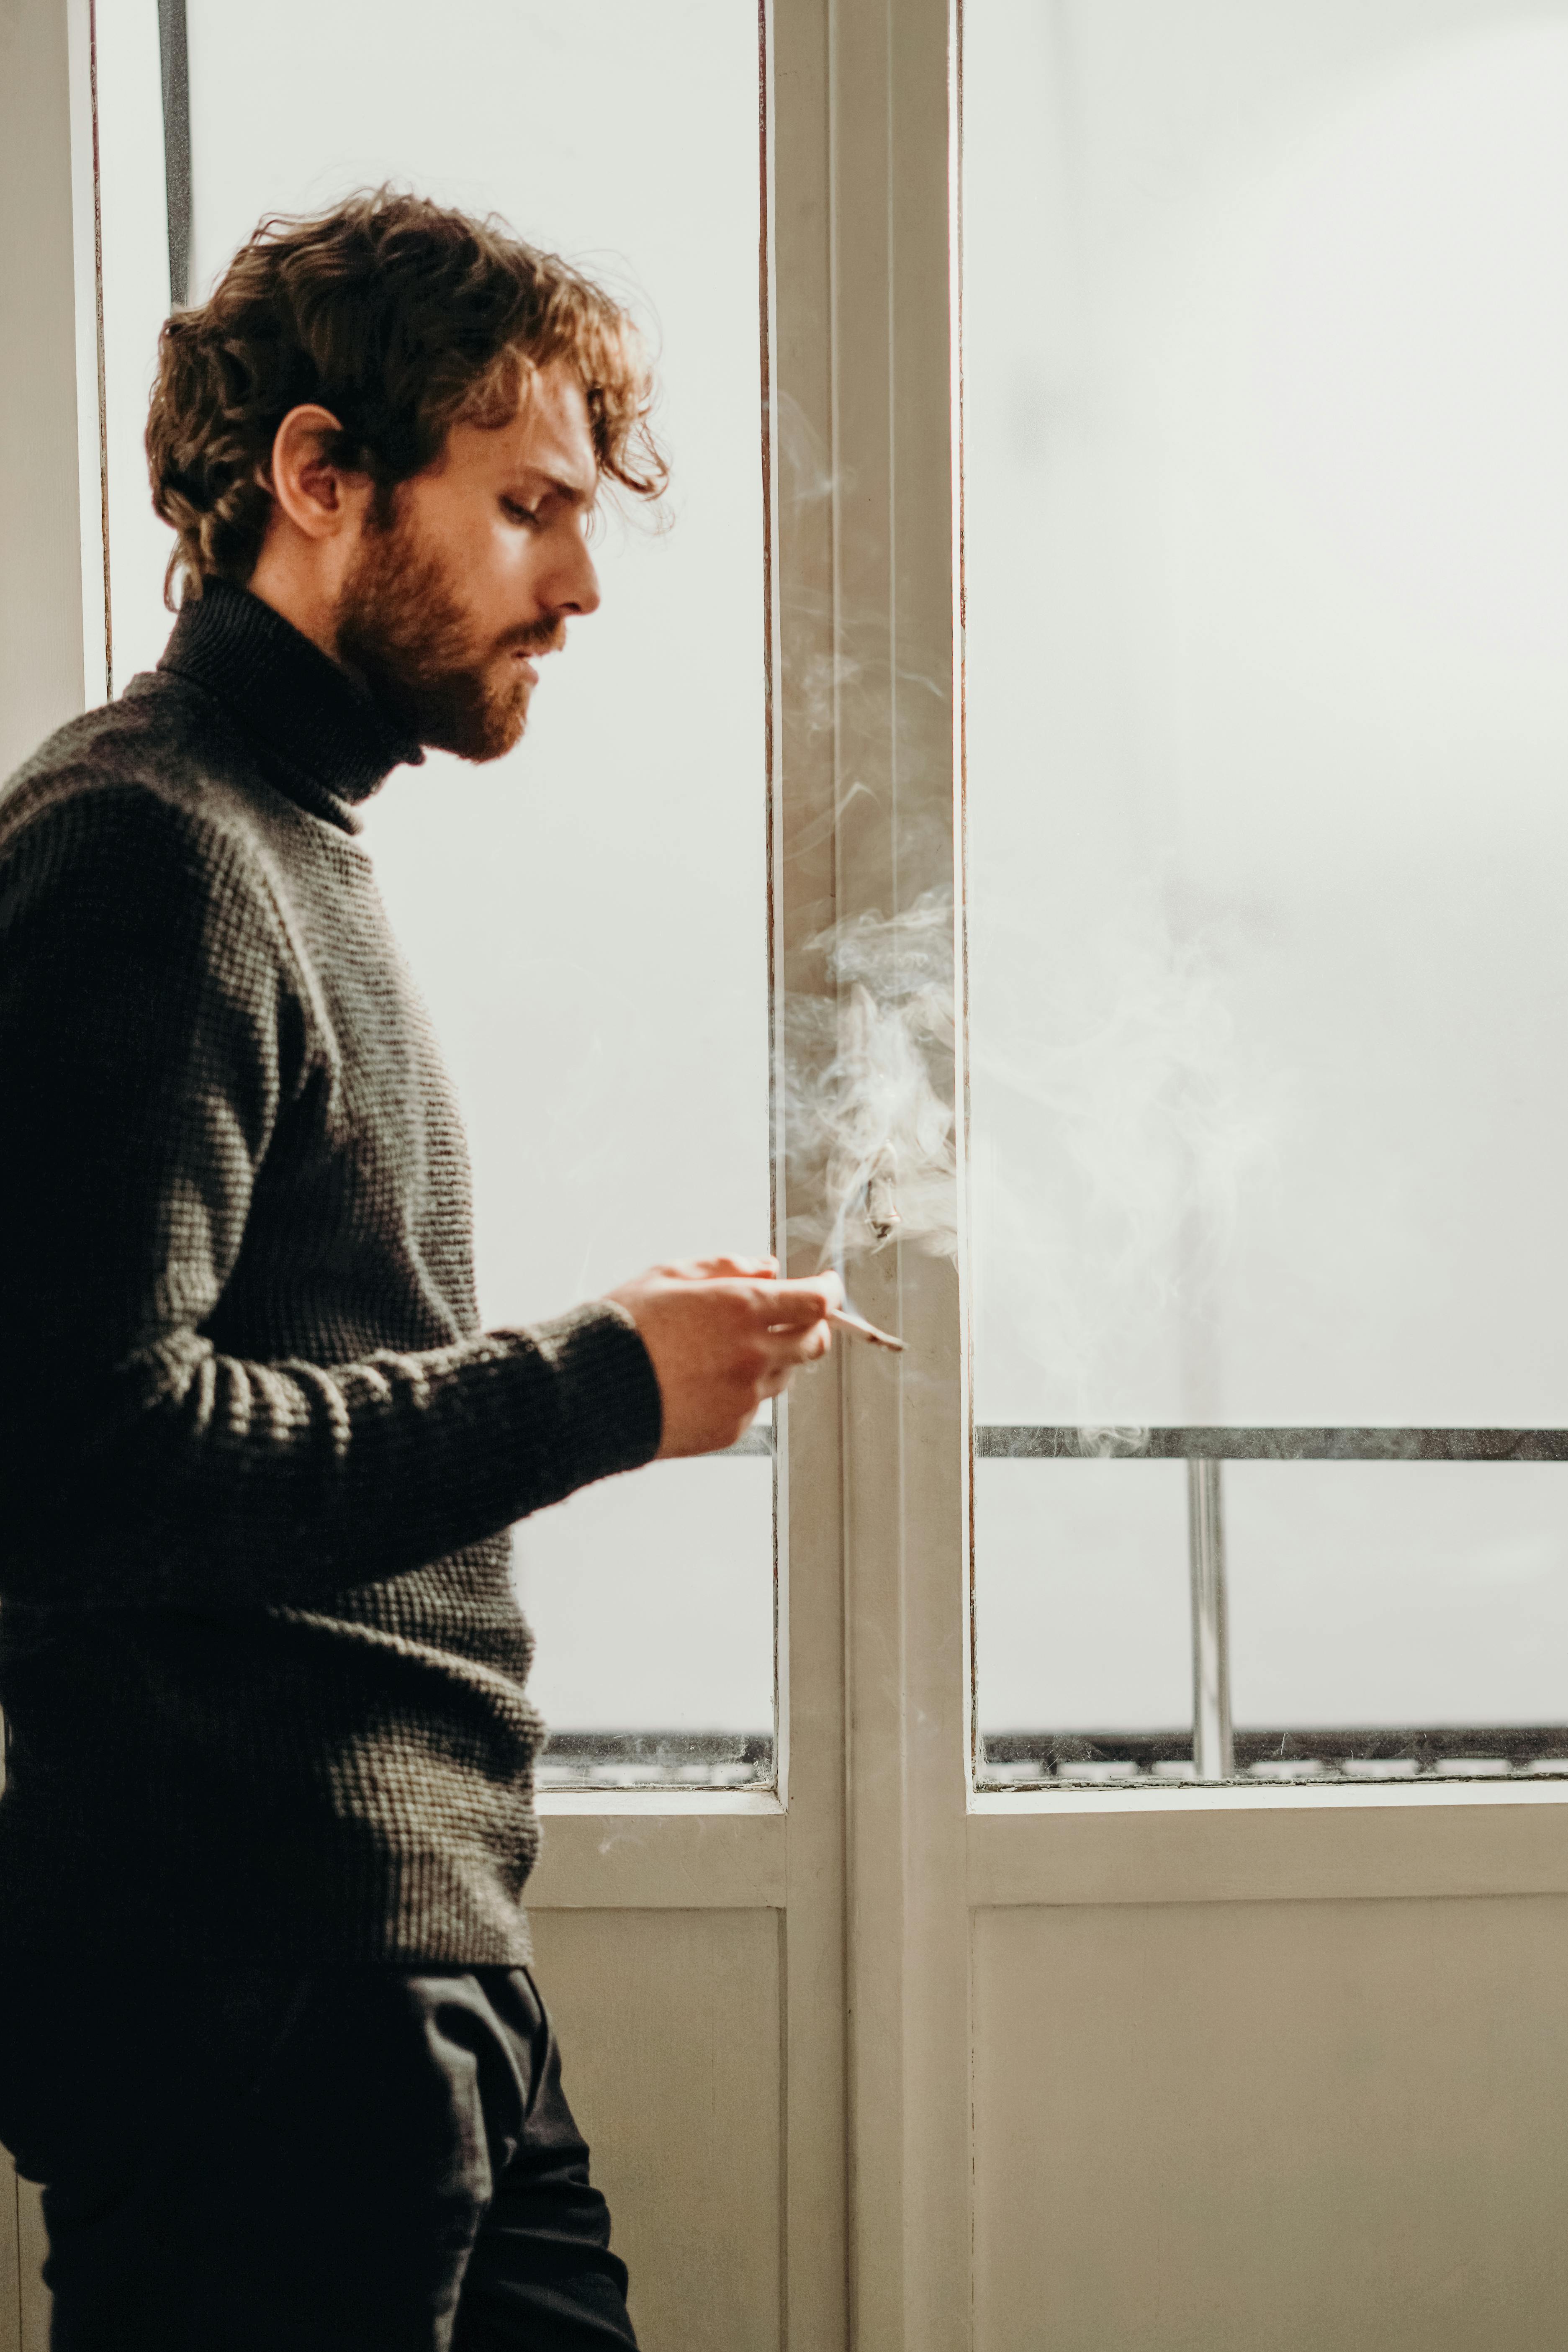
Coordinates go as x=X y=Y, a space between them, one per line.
x=868 y=1088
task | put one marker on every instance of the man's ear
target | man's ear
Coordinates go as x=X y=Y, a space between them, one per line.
x=320 y=498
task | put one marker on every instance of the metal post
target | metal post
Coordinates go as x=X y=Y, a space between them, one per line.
x=1212 y=1755
x=174 y=54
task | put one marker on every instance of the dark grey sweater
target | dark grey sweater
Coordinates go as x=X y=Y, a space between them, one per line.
x=260 y=1659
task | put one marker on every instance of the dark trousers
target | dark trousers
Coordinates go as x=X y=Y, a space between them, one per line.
x=337 y=2160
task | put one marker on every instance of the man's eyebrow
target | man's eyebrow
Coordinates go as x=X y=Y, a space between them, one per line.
x=572 y=493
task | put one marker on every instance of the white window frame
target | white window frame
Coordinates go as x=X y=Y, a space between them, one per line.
x=876 y=1851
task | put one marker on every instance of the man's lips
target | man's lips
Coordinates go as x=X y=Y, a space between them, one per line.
x=527 y=652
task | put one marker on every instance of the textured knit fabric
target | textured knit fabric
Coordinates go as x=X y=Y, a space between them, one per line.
x=260 y=1657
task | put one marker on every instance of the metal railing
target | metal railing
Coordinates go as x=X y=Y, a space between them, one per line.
x=657 y=1759
x=1217 y=1751
x=1031 y=1441
x=1213 y=1750
x=1377 y=1752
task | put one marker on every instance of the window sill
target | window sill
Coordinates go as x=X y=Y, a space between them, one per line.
x=660 y=1849
x=644 y=1802
x=1276 y=1796
x=1274 y=1845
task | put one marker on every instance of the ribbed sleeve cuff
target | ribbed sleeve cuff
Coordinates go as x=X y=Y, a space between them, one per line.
x=611 y=1414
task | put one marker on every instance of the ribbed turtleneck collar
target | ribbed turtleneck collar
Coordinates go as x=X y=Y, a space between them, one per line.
x=334 y=744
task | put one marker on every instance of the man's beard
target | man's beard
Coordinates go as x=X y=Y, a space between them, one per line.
x=402 y=628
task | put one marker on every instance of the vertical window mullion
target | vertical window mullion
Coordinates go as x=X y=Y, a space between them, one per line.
x=1211 y=1745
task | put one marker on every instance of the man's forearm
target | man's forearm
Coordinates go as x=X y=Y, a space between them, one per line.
x=195 y=1477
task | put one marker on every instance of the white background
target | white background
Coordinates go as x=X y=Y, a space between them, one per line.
x=587 y=917
x=1266 y=349
x=1268 y=513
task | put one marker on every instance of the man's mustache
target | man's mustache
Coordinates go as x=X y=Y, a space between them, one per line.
x=539 y=637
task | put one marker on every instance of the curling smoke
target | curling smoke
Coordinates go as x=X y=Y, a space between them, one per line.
x=867 y=1076
x=1117 y=1122
x=1120 y=1113
x=1119 y=1117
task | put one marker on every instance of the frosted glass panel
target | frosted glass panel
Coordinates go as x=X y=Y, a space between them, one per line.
x=1267 y=575
x=587 y=917
x=636 y=1588
x=1266 y=532
x=1085 y=1623
x=1410 y=1593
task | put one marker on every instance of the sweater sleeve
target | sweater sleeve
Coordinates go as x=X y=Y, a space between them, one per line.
x=151 y=1037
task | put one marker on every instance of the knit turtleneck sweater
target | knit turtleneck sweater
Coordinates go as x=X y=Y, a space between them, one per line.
x=260 y=1659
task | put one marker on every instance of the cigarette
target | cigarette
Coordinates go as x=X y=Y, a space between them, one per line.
x=843 y=1320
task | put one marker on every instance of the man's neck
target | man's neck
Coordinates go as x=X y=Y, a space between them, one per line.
x=303 y=593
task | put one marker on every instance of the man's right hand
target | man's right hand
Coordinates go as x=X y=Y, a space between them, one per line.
x=725 y=1334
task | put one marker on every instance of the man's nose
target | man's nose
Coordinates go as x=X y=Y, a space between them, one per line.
x=577 y=589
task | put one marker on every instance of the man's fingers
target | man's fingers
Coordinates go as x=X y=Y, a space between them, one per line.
x=803 y=1302
x=724 y=1335
x=787 y=1352
x=722 y=1269
x=804 y=1344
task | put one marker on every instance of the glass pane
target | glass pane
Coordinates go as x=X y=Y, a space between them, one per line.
x=1266 y=505
x=1083 y=1636
x=588 y=916
x=604 y=1574
x=1386 y=1602
x=133 y=232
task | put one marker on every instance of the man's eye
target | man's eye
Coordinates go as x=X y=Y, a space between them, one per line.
x=517 y=513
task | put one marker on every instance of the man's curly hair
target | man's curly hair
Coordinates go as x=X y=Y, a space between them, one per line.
x=399 y=317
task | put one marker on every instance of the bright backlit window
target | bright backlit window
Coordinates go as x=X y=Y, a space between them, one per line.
x=588 y=919
x=1266 y=576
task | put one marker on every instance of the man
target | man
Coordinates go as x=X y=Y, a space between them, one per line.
x=267 y=2033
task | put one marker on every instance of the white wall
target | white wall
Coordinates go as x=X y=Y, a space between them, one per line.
x=41 y=563
x=1272 y=2126
x=41 y=665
